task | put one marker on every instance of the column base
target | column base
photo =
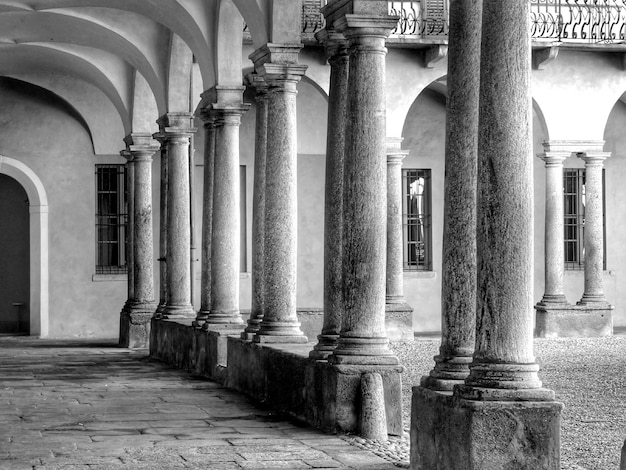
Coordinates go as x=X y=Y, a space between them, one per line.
x=448 y=372
x=135 y=328
x=325 y=346
x=201 y=318
x=451 y=433
x=280 y=332
x=553 y=300
x=563 y=321
x=253 y=327
x=178 y=311
x=363 y=351
x=217 y=320
x=333 y=396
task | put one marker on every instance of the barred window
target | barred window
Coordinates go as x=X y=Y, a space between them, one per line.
x=416 y=220
x=574 y=217
x=111 y=219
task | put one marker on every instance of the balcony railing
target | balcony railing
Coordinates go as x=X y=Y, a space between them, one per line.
x=586 y=21
x=565 y=21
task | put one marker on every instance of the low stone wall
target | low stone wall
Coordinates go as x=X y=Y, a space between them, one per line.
x=566 y=321
x=281 y=376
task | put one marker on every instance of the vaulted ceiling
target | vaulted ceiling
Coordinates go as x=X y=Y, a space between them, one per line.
x=123 y=63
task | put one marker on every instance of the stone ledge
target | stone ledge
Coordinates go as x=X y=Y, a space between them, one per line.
x=563 y=321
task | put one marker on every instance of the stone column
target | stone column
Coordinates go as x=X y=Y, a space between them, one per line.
x=163 y=235
x=258 y=209
x=336 y=48
x=225 y=247
x=502 y=402
x=395 y=270
x=504 y=366
x=278 y=66
x=142 y=148
x=175 y=132
x=207 y=219
x=135 y=325
x=130 y=184
x=363 y=338
x=594 y=231
x=554 y=236
x=458 y=278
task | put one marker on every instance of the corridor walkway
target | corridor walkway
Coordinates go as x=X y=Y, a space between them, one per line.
x=81 y=404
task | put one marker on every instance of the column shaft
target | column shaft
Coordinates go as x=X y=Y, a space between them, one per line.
x=130 y=181
x=175 y=134
x=281 y=217
x=163 y=233
x=554 y=236
x=142 y=240
x=594 y=230
x=504 y=366
x=363 y=338
x=278 y=65
x=336 y=47
x=258 y=210
x=395 y=270
x=225 y=247
x=458 y=278
x=207 y=221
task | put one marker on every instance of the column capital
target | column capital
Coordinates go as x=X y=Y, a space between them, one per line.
x=592 y=158
x=335 y=43
x=257 y=82
x=127 y=155
x=278 y=62
x=554 y=159
x=354 y=25
x=141 y=145
x=175 y=127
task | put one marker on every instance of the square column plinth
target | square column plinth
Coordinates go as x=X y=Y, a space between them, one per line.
x=451 y=433
x=333 y=396
x=564 y=321
x=135 y=329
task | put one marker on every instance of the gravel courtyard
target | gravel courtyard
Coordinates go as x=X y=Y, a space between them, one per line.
x=588 y=376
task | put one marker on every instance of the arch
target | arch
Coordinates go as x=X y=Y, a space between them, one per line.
x=38 y=210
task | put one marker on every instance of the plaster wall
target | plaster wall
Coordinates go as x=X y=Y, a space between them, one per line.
x=41 y=131
x=424 y=137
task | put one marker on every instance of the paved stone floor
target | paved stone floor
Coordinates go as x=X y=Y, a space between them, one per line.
x=91 y=405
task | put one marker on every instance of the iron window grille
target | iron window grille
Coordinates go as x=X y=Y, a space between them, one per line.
x=111 y=219
x=416 y=220
x=574 y=191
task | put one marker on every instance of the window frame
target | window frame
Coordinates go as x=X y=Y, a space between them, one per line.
x=576 y=220
x=113 y=259
x=417 y=262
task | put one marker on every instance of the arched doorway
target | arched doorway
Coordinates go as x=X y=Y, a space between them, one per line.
x=14 y=258
x=37 y=242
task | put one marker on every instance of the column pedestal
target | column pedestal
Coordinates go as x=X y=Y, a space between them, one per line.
x=458 y=434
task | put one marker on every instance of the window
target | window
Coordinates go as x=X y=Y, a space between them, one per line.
x=416 y=220
x=243 y=260
x=111 y=219
x=574 y=217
